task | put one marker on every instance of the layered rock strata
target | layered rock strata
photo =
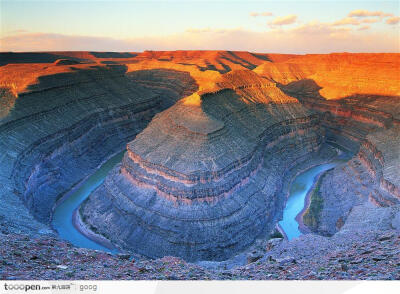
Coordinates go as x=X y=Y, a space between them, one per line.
x=200 y=181
x=63 y=127
x=208 y=176
x=200 y=158
x=367 y=125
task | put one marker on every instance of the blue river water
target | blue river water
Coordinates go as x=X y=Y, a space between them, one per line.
x=298 y=192
x=62 y=216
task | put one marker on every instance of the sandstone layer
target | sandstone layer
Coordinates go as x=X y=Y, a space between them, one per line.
x=203 y=176
x=61 y=128
x=200 y=181
x=368 y=126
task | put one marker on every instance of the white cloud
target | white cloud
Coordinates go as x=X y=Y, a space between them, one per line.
x=284 y=20
x=366 y=13
x=363 y=28
x=393 y=20
x=370 y=20
x=203 y=30
x=346 y=21
x=60 y=42
x=313 y=37
x=266 y=13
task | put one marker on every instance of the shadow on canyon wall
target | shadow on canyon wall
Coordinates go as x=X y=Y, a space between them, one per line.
x=66 y=124
x=33 y=57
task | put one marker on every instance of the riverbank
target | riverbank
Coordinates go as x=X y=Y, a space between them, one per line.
x=85 y=231
x=299 y=218
x=342 y=157
x=323 y=155
x=79 y=184
x=66 y=219
x=296 y=183
x=301 y=183
x=358 y=252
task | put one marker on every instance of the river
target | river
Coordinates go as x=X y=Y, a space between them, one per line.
x=298 y=191
x=62 y=215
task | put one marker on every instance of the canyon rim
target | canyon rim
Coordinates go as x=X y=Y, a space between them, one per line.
x=211 y=142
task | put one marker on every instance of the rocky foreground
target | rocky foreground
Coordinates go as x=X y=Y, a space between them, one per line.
x=367 y=247
x=49 y=258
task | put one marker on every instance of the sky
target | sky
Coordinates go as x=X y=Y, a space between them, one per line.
x=259 y=26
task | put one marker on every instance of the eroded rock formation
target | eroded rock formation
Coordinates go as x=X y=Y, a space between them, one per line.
x=368 y=126
x=200 y=181
x=61 y=128
x=203 y=176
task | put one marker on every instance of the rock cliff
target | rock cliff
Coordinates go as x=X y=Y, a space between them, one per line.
x=200 y=181
x=367 y=125
x=61 y=128
x=212 y=137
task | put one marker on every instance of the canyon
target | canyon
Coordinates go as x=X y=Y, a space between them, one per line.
x=213 y=141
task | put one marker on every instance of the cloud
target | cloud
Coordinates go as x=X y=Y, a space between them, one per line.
x=393 y=20
x=284 y=20
x=60 y=42
x=366 y=13
x=203 y=30
x=370 y=20
x=363 y=28
x=320 y=31
x=313 y=37
x=20 y=31
x=360 y=16
x=346 y=21
x=256 y=14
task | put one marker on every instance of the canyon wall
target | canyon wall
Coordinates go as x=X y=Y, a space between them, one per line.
x=65 y=125
x=203 y=176
x=201 y=181
x=367 y=126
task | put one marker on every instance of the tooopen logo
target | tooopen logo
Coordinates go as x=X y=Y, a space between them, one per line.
x=23 y=287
